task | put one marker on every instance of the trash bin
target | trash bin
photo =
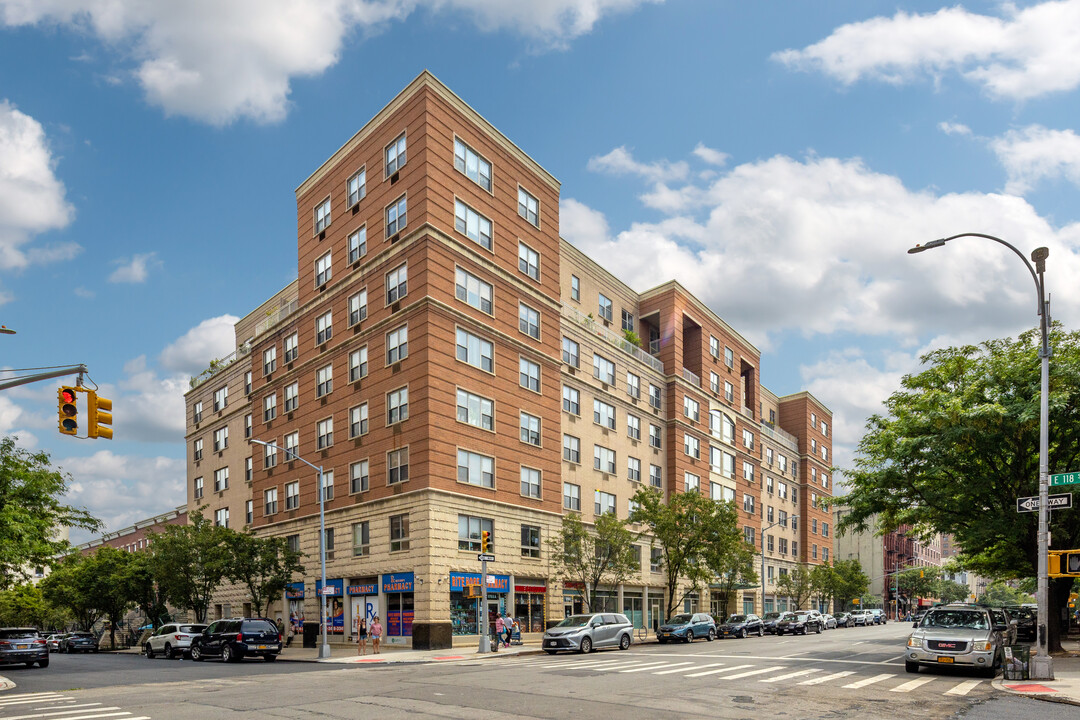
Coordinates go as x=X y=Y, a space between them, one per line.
x=311 y=634
x=1016 y=665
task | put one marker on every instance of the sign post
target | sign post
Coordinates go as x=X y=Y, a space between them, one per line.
x=482 y=626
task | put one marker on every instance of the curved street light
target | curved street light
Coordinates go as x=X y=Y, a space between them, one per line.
x=1042 y=665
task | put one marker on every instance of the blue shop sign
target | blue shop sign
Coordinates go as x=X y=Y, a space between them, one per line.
x=397 y=582
x=294 y=591
x=337 y=585
x=495 y=583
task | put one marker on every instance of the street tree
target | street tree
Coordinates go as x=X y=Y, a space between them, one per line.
x=265 y=566
x=849 y=582
x=593 y=557
x=823 y=581
x=950 y=591
x=958 y=443
x=190 y=561
x=998 y=594
x=916 y=582
x=732 y=563
x=797 y=585
x=110 y=568
x=148 y=595
x=25 y=605
x=32 y=512
x=73 y=586
x=689 y=529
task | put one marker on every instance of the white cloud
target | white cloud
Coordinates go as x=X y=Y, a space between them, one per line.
x=951 y=128
x=1036 y=153
x=620 y=161
x=135 y=269
x=711 y=156
x=211 y=339
x=1023 y=54
x=219 y=61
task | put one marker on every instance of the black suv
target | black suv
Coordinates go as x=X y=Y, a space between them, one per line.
x=233 y=639
x=23 y=645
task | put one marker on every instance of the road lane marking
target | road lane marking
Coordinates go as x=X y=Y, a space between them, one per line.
x=720 y=670
x=31 y=697
x=684 y=669
x=869 y=681
x=827 y=678
x=93 y=715
x=912 y=684
x=50 y=713
x=579 y=663
x=799 y=673
x=964 y=688
x=753 y=672
x=651 y=666
x=9 y=703
x=898 y=657
x=619 y=665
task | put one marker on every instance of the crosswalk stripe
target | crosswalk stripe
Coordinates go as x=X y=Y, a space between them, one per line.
x=9 y=703
x=580 y=664
x=29 y=695
x=684 y=669
x=827 y=678
x=92 y=715
x=753 y=672
x=50 y=713
x=41 y=697
x=869 y=681
x=652 y=666
x=963 y=688
x=619 y=667
x=912 y=684
x=799 y=673
x=719 y=670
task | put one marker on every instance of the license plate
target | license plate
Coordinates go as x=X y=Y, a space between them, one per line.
x=945 y=660
x=22 y=647
x=262 y=647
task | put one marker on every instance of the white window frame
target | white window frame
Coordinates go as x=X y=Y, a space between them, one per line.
x=528 y=261
x=474 y=225
x=478 y=469
x=357 y=244
x=528 y=207
x=474 y=350
x=472 y=164
x=468 y=286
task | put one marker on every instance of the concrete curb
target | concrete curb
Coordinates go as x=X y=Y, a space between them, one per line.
x=5 y=684
x=1054 y=697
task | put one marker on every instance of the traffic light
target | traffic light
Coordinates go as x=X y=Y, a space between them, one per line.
x=68 y=410
x=485 y=541
x=98 y=414
x=922 y=573
x=1064 y=563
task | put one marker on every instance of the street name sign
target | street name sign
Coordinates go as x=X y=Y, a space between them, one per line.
x=1055 y=502
x=1072 y=478
x=487 y=557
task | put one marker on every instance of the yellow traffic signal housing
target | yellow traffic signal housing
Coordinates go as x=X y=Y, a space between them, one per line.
x=1063 y=563
x=68 y=410
x=485 y=541
x=98 y=415
x=471 y=591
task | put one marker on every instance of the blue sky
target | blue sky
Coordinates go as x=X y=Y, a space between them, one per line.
x=778 y=158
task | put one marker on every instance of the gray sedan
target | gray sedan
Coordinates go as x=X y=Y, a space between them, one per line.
x=582 y=633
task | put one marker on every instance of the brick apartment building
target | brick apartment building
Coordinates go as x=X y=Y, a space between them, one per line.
x=456 y=367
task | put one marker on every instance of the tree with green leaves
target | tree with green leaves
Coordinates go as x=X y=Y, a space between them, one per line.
x=732 y=563
x=32 y=512
x=190 y=561
x=823 y=582
x=849 y=582
x=798 y=585
x=915 y=582
x=147 y=594
x=25 y=605
x=959 y=442
x=114 y=595
x=74 y=586
x=690 y=530
x=950 y=591
x=265 y=566
x=998 y=594
x=593 y=557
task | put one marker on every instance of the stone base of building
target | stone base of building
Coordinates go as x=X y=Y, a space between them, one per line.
x=432 y=636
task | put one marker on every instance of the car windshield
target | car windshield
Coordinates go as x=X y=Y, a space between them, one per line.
x=799 y=618
x=737 y=619
x=575 y=621
x=18 y=633
x=680 y=620
x=967 y=619
x=772 y=615
x=787 y=616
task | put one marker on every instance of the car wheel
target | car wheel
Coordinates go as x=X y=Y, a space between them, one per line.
x=228 y=654
x=662 y=641
x=779 y=632
x=168 y=651
x=551 y=652
x=761 y=632
x=689 y=636
x=586 y=646
x=711 y=636
x=270 y=658
x=149 y=652
x=43 y=663
x=742 y=633
x=819 y=629
x=624 y=642
x=911 y=667
x=30 y=664
x=196 y=653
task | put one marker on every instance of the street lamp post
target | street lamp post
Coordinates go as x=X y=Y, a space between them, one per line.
x=1042 y=665
x=763 y=531
x=324 y=616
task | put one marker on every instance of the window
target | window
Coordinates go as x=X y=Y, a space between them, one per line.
x=603 y=369
x=397 y=283
x=395 y=155
x=530 y=482
x=291 y=346
x=358 y=364
x=825 y=428
x=633 y=469
x=654 y=396
x=397 y=466
x=270 y=501
x=575 y=288
x=358 y=477
x=248 y=469
x=656 y=559
x=221 y=439
x=196 y=412
x=528 y=207
x=603 y=459
x=824 y=453
x=361 y=539
x=198 y=488
x=397 y=345
x=633 y=426
x=470 y=532
x=475 y=469
x=528 y=261
x=530 y=541
x=472 y=225
x=270 y=360
x=771 y=545
x=357 y=307
x=824 y=481
x=328 y=493
x=633 y=385
x=691 y=481
x=571 y=400
x=397 y=406
x=324 y=432
x=747 y=439
x=654 y=436
x=396 y=215
x=729 y=357
x=603 y=503
x=475 y=410
x=769 y=455
x=769 y=514
x=292 y=495
x=197 y=448
x=292 y=396
x=692 y=446
x=249 y=512
x=292 y=445
x=627 y=321
x=472 y=290
x=714 y=347
x=221 y=398
x=729 y=391
x=529 y=321
x=293 y=542
x=571 y=352
x=782 y=490
x=769 y=484
x=813 y=446
x=529 y=374
x=571 y=496
x=475 y=351
x=324 y=328
x=727 y=427
x=714 y=382
x=748 y=472
x=357 y=244
x=813 y=525
x=324 y=381
x=399 y=532
x=813 y=475
x=782 y=545
x=221 y=479
x=356 y=186
x=748 y=503
x=603 y=414
x=269 y=456
x=606 y=309
x=322 y=216
x=323 y=270
x=781 y=460
x=825 y=554
x=794 y=547
x=530 y=429
x=571 y=448
x=813 y=420
x=691 y=408
x=468 y=161
x=813 y=551
x=656 y=476
x=716 y=419
x=748 y=535
x=716 y=458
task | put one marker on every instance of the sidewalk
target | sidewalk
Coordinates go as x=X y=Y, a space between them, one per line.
x=1064 y=688
x=346 y=654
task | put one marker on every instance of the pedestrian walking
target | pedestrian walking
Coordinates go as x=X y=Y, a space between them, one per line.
x=361 y=636
x=508 y=627
x=500 y=628
x=375 y=631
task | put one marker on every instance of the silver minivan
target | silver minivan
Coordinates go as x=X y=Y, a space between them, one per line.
x=583 y=633
x=172 y=640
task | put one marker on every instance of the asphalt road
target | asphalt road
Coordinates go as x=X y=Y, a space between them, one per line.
x=856 y=673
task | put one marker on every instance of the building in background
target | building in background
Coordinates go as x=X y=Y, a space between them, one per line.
x=137 y=536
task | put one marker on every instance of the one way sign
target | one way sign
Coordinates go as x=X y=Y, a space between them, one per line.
x=1056 y=502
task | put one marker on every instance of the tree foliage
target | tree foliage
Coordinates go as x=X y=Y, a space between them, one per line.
x=32 y=512
x=732 y=565
x=602 y=555
x=998 y=594
x=797 y=584
x=190 y=561
x=959 y=442
x=74 y=586
x=25 y=605
x=264 y=566
x=949 y=591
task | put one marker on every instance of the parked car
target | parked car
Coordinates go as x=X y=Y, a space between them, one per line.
x=1002 y=617
x=233 y=639
x=957 y=635
x=842 y=619
x=741 y=626
x=919 y=616
x=23 y=645
x=829 y=621
x=172 y=640
x=687 y=627
x=768 y=623
x=1025 y=622
x=798 y=622
x=861 y=617
x=583 y=633
x=880 y=618
x=53 y=642
x=79 y=641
